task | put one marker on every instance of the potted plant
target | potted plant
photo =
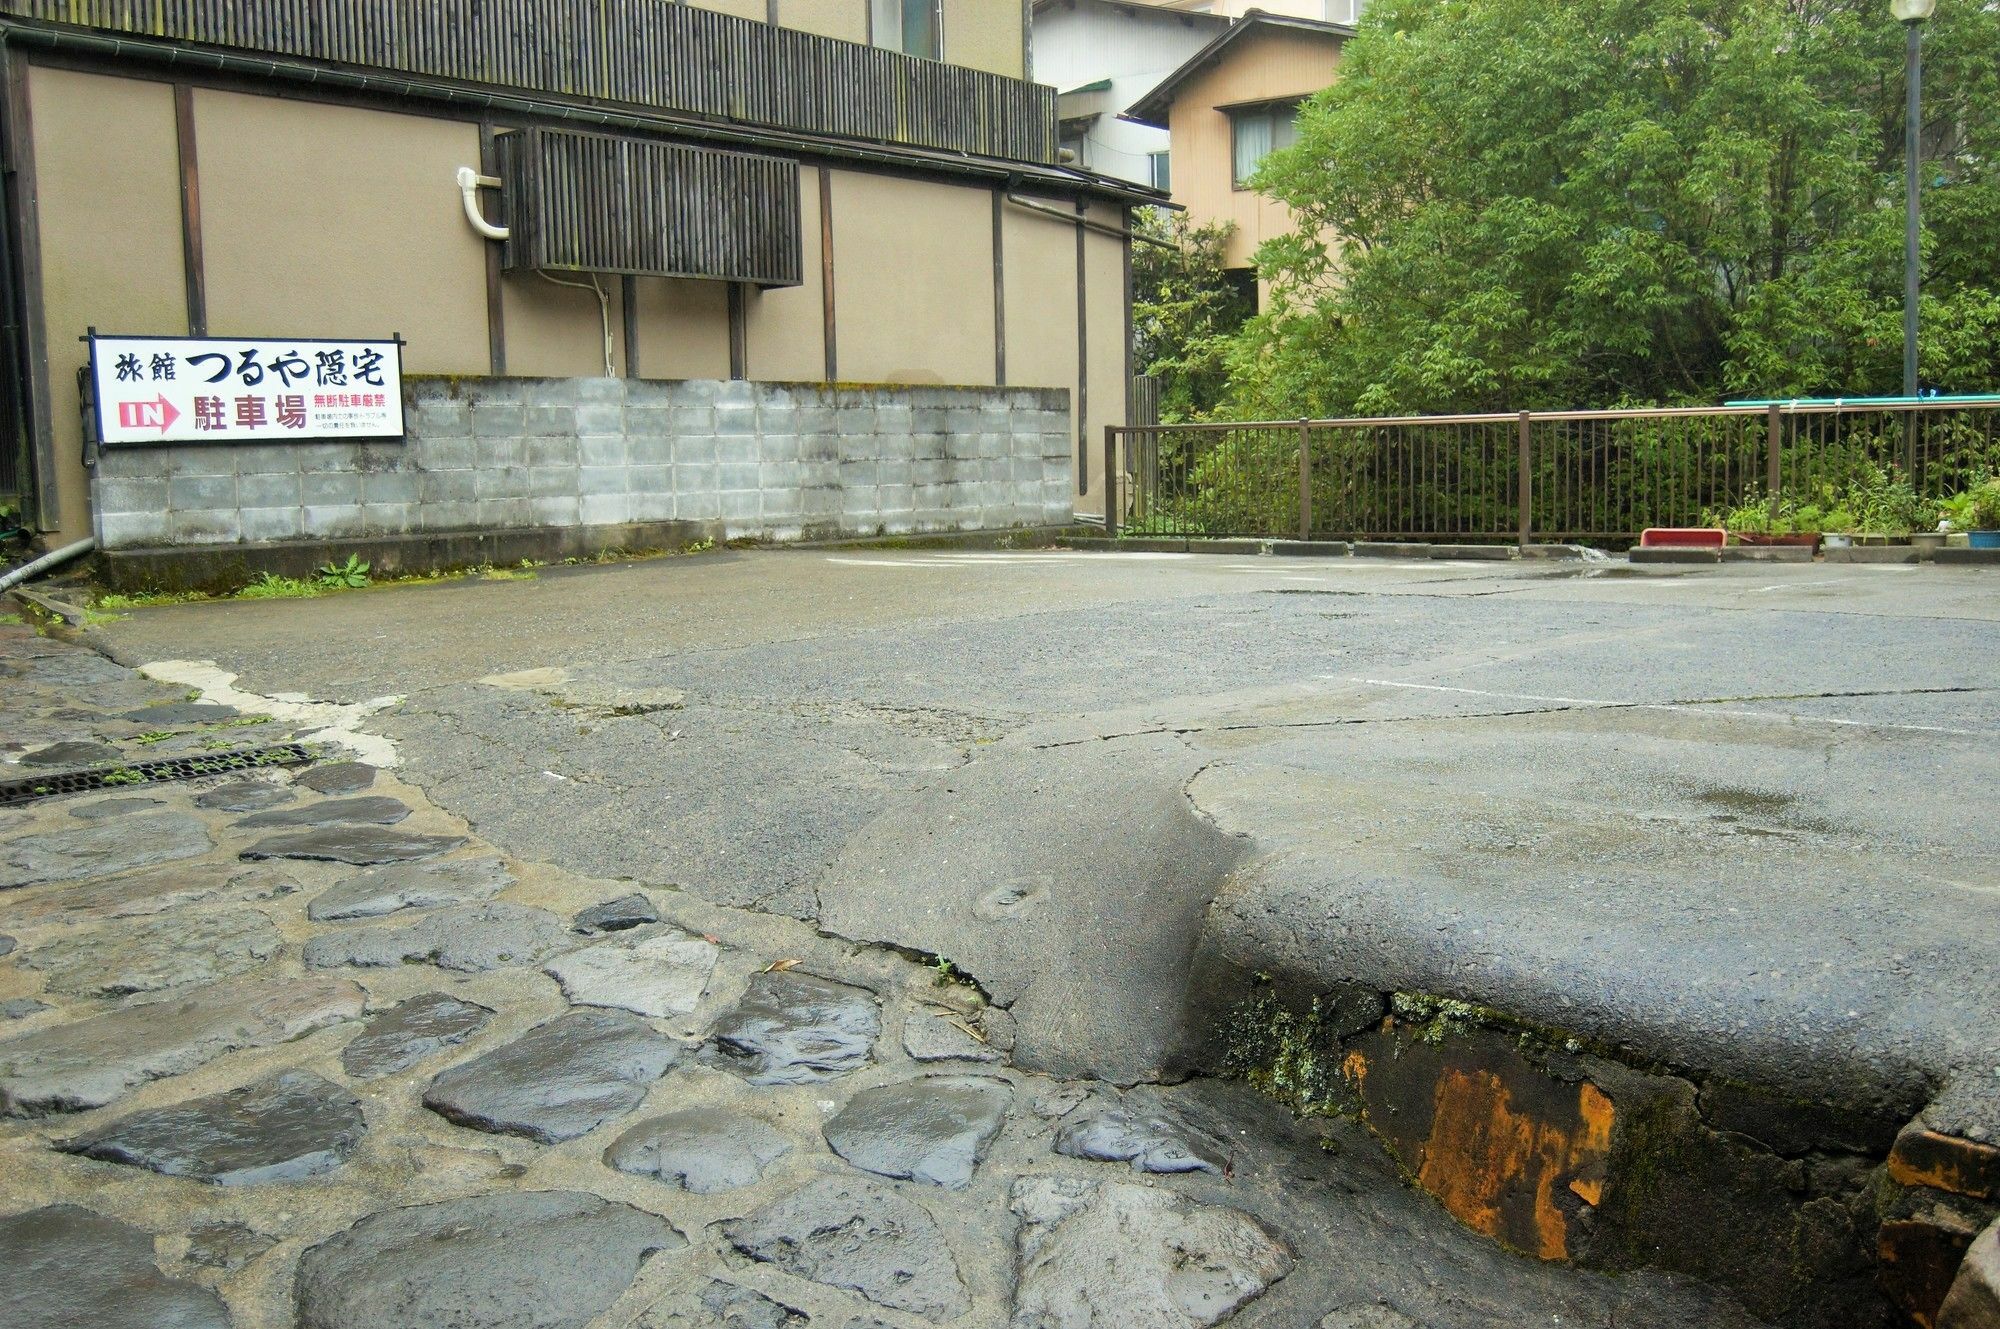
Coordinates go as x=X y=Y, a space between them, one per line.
x=1886 y=508
x=1976 y=511
x=1757 y=520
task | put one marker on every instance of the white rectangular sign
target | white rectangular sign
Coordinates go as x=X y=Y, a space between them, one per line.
x=245 y=390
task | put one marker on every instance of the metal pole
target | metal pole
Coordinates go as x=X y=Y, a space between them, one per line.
x=1912 y=249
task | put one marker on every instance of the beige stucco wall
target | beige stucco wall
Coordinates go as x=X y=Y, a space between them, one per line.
x=558 y=331
x=1040 y=283
x=683 y=329
x=107 y=171
x=913 y=280
x=329 y=221
x=1262 y=66
x=845 y=19
x=740 y=8
x=785 y=333
x=1110 y=375
x=984 y=34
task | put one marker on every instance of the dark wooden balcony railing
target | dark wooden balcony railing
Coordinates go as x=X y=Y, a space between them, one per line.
x=645 y=53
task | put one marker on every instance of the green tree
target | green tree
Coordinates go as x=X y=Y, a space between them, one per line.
x=1186 y=310
x=1542 y=203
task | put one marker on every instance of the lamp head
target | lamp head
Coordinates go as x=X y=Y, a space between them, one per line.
x=1912 y=11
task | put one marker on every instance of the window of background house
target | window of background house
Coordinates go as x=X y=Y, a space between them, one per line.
x=913 y=27
x=1258 y=131
x=1073 y=144
x=1160 y=171
x=1344 y=11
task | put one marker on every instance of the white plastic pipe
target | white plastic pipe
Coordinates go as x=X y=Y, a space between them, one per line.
x=470 y=182
x=29 y=571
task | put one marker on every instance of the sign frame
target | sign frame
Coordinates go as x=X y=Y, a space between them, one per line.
x=393 y=373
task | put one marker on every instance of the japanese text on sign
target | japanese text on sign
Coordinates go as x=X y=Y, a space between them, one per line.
x=214 y=390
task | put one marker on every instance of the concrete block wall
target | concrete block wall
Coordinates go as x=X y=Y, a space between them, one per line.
x=783 y=461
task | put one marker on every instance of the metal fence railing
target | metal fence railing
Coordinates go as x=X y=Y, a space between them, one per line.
x=1531 y=476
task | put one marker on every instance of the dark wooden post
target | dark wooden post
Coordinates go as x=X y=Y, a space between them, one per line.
x=1111 y=480
x=1526 y=483
x=1774 y=436
x=1305 y=481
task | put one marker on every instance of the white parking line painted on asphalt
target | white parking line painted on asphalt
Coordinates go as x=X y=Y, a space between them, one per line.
x=1802 y=585
x=1692 y=708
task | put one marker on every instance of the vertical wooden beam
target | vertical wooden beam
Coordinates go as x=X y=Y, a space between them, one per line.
x=1305 y=480
x=496 y=294
x=739 y=340
x=191 y=249
x=1131 y=333
x=1774 y=438
x=628 y=300
x=1111 y=513
x=771 y=12
x=830 y=328
x=34 y=334
x=1526 y=481
x=999 y=289
x=1082 y=402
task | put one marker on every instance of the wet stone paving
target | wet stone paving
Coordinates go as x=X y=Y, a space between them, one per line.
x=297 y=1047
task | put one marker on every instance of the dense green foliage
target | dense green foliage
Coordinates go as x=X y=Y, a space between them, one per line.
x=1186 y=310
x=1563 y=203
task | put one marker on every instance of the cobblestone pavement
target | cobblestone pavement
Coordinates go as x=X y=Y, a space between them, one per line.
x=298 y=1046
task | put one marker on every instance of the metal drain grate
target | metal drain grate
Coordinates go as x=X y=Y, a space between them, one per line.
x=165 y=770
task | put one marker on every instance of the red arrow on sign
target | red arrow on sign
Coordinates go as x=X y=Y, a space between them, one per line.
x=156 y=414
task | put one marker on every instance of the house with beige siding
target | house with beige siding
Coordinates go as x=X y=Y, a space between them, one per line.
x=762 y=267
x=1229 y=106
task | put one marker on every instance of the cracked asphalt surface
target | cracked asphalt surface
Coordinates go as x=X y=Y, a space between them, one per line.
x=1766 y=778
x=1731 y=819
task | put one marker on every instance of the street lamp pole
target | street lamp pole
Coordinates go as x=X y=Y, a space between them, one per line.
x=1913 y=14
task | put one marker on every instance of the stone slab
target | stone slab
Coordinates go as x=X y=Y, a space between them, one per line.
x=104 y=809
x=795 y=1028
x=547 y=1259
x=660 y=974
x=701 y=1150
x=559 y=1080
x=931 y=1033
x=153 y=891
x=860 y=1236
x=397 y=886
x=91 y=1062
x=65 y=1267
x=101 y=849
x=371 y=809
x=1974 y=1299
x=933 y=1130
x=469 y=938
x=1109 y=1131
x=362 y=846
x=1113 y=1253
x=340 y=777
x=406 y=1033
x=286 y=1127
x=627 y=911
x=167 y=951
x=244 y=796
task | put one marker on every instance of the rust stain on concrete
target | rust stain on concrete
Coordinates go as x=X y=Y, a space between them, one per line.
x=1508 y=1151
x=1945 y=1162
